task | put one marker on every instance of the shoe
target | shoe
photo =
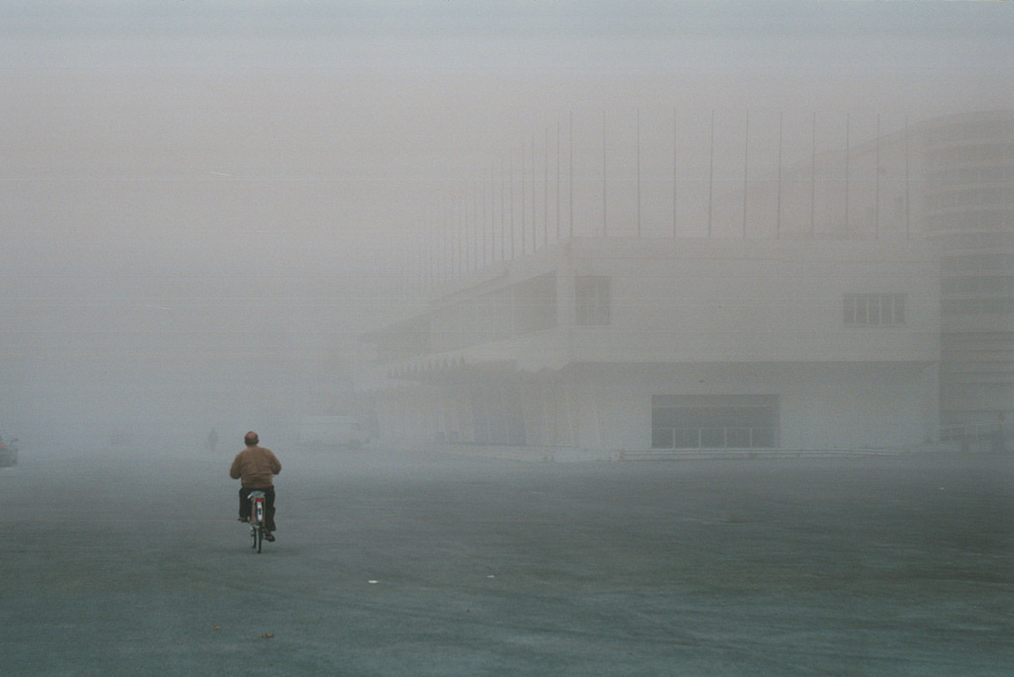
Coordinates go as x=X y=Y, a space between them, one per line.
x=243 y=519
x=268 y=536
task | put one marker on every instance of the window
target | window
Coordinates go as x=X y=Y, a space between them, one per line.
x=592 y=298
x=874 y=310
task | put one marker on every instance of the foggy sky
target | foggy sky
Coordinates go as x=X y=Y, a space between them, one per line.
x=203 y=203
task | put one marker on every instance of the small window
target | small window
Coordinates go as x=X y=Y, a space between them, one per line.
x=873 y=310
x=899 y=309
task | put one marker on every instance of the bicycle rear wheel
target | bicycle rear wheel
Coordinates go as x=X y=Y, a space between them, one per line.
x=259 y=521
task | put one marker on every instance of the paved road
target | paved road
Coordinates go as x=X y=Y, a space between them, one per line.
x=384 y=565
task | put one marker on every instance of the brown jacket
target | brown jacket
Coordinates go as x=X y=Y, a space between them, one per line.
x=255 y=466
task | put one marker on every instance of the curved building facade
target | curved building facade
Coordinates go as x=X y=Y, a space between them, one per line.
x=968 y=209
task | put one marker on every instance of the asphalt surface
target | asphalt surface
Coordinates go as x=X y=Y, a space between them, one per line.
x=126 y=564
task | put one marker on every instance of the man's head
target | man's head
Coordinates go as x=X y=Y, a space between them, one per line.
x=251 y=439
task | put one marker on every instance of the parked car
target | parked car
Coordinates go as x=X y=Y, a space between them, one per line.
x=332 y=431
x=8 y=453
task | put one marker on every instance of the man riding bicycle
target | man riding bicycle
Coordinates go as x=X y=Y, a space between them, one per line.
x=256 y=467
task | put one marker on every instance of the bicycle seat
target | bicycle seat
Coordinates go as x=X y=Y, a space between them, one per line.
x=256 y=494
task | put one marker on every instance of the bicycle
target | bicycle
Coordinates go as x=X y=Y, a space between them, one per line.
x=258 y=526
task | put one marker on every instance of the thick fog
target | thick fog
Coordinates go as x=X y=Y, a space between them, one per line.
x=207 y=203
x=204 y=204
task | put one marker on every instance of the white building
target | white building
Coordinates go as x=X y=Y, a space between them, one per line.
x=949 y=181
x=632 y=344
x=868 y=302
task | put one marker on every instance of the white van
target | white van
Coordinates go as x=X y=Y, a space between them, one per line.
x=331 y=431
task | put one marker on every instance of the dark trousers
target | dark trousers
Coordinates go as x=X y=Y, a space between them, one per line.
x=269 y=505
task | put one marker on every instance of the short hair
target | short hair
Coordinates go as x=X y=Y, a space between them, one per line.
x=251 y=439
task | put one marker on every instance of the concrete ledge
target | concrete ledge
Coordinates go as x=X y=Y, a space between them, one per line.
x=702 y=454
x=539 y=454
